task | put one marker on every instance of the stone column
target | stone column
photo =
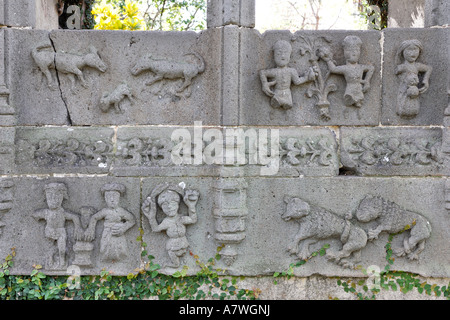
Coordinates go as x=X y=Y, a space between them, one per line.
x=35 y=14
x=231 y=16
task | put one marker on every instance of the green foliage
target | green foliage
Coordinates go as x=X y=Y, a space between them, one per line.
x=394 y=280
x=168 y=15
x=290 y=271
x=147 y=282
x=375 y=12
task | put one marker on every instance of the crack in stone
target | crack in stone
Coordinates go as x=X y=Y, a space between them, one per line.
x=69 y=119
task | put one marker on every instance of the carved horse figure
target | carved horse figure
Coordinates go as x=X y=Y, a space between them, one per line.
x=171 y=70
x=66 y=63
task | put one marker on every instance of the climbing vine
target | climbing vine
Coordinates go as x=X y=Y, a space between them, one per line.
x=147 y=282
x=388 y=279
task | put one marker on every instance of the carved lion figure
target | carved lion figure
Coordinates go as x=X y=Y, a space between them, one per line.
x=392 y=218
x=319 y=224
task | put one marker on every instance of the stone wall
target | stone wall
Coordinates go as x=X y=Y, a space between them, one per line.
x=271 y=145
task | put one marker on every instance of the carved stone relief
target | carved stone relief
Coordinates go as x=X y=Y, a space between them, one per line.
x=6 y=198
x=392 y=218
x=340 y=82
x=168 y=198
x=276 y=82
x=63 y=149
x=55 y=217
x=387 y=151
x=117 y=221
x=409 y=71
x=318 y=224
x=230 y=214
x=115 y=98
x=357 y=76
x=164 y=69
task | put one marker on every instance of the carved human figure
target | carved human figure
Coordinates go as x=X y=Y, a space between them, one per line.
x=168 y=198
x=391 y=218
x=357 y=76
x=276 y=82
x=56 y=217
x=117 y=221
x=409 y=72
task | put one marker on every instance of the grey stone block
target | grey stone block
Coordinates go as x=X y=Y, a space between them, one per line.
x=61 y=246
x=109 y=77
x=141 y=77
x=388 y=151
x=231 y=12
x=257 y=221
x=407 y=100
x=33 y=102
x=7 y=148
x=64 y=149
x=40 y=14
x=18 y=13
x=437 y=13
x=327 y=100
x=214 y=151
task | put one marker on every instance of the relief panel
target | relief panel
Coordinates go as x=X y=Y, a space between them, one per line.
x=310 y=78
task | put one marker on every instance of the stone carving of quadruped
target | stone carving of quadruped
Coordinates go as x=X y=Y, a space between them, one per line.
x=66 y=63
x=319 y=224
x=55 y=229
x=174 y=224
x=117 y=221
x=115 y=98
x=276 y=82
x=356 y=75
x=392 y=218
x=164 y=69
x=410 y=72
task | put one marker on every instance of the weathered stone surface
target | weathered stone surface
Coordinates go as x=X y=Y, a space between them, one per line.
x=394 y=151
x=407 y=98
x=303 y=101
x=262 y=237
x=34 y=103
x=95 y=84
x=40 y=14
x=143 y=78
x=406 y=13
x=7 y=148
x=213 y=151
x=7 y=112
x=231 y=12
x=437 y=13
x=41 y=238
x=64 y=149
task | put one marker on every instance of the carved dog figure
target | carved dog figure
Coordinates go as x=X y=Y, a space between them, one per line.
x=171 y=70
x=66 y=63
x=319 y=224
x=114 y=98
x=392 y=218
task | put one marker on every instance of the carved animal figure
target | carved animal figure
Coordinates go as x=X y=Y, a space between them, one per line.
x=66 y=63
x=114 y=98
x=319 y=224
x=392 y=218
x=170 y=70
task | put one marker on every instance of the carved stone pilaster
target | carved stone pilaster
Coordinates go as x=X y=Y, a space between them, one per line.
x=230 y=212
